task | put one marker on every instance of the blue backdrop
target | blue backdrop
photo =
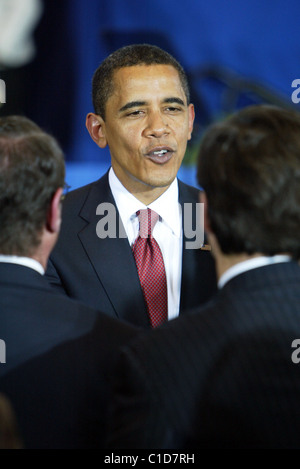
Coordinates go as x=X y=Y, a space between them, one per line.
x=235 y=53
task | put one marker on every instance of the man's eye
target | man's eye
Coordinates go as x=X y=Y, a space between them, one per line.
x=173 y=109
x=135 y=113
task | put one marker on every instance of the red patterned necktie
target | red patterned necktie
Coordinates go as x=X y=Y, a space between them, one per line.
x=151 y=268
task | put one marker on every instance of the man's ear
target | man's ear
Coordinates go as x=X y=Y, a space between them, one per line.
x=54 y=212
x=96 y=128
x=203 y=200
x=191 y=112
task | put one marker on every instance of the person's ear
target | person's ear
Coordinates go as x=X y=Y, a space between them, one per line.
x=54 y=212
x=96 y=128
x=203 y=200
x=191 y=112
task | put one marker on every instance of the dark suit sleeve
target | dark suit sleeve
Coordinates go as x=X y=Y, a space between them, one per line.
x=134 y=413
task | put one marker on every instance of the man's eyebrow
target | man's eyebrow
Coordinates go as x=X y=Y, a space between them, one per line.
x=132 y=104
x=174 y=100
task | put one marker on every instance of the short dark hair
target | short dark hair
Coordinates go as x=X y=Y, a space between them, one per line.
x=249 y=167
x=17 y=126
x=129 y=56
x=31 y=170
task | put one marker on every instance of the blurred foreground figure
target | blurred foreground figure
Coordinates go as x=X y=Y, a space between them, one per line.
x=56 y=354
x=9 y=435
x=227 y=375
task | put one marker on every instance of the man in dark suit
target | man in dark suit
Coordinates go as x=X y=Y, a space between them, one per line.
x=227 y=375
x=56 y=354
x=143 y=113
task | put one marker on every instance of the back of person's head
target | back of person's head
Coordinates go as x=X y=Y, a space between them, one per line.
x=31 y=170
x=129 y=56
x=15 y=126
x=9 y=432
x=249 y=168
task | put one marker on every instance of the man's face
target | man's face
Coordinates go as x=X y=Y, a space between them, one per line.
x=147 y=126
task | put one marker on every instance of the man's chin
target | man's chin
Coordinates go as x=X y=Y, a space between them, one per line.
x=160 y=182
x=161 y=177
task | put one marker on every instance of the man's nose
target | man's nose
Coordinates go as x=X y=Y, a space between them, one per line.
x=157 y=125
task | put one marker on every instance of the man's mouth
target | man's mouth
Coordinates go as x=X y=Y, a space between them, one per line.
x=160 y=155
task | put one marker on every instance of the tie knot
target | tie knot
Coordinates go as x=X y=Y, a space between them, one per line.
x=147 y=219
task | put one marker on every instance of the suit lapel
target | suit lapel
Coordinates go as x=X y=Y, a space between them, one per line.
x=187 y=254
x=112 y=257
x=198 y=280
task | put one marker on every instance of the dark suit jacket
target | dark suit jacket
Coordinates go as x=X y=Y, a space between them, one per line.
x=221 y=378
x=102 y=272
x=59 y=355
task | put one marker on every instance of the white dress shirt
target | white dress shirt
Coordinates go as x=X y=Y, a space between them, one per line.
x=26 y=261
x=250 y=264
x=167 y=231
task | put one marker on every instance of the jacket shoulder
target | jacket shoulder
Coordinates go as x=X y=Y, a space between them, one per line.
x=188 y=193
x=76 y=199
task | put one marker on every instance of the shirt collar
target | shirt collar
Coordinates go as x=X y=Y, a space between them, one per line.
x=25 y=261
x=250 y=264
x=167 y=205
x=168 y=208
